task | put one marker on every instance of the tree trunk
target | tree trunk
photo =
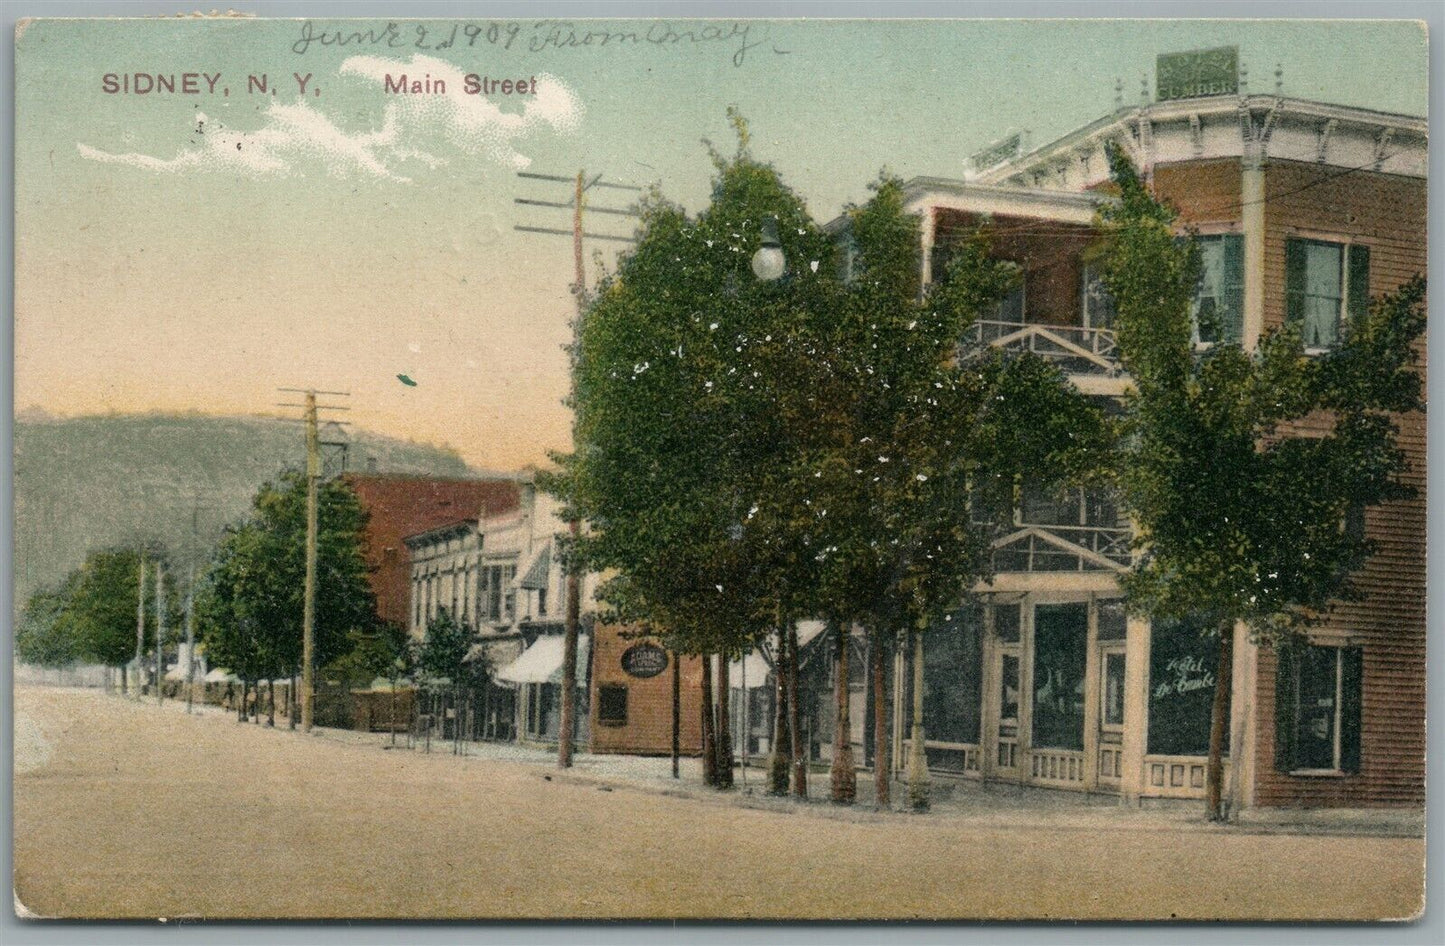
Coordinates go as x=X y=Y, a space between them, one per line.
x=842 y=779
x=709 y=741
x=676 y=714
x=919 y=784
x=1215 y=808
x=291 y=701
x=882 y=777
x=271 y=702
x=800 y=751
x=780 y=759
x=724 y=725
x=124 y=681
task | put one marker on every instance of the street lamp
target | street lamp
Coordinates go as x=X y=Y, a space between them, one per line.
x=768 y=261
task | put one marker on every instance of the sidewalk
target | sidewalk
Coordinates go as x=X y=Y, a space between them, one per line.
x=997 y=804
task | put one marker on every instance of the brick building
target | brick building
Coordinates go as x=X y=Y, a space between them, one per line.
x=1303 y=210
x=399 y=506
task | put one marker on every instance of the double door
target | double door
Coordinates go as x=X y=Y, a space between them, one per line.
x=1054 y=699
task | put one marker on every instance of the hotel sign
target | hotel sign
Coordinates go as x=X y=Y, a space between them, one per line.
x=644 y=660
x=997 y=153
x=1198 y=73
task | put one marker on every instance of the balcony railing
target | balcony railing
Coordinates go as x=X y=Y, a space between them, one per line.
x=1050 y=548
x=1074 y=348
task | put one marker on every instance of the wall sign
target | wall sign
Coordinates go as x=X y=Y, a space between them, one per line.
x=1197 y=73
x=644 y=660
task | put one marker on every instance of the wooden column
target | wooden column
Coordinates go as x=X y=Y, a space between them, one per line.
x=1091 y=697
x=1136 y=707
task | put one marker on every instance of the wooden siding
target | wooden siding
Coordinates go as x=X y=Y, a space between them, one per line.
x=1386 y=212
x=648 y=730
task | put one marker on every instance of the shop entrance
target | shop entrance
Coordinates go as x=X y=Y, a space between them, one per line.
x=1060 y=659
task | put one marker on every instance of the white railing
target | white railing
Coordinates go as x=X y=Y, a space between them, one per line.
x=1074 y=348
x=1050 y=548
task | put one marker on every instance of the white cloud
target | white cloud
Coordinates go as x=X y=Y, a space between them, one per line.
x=292 y=134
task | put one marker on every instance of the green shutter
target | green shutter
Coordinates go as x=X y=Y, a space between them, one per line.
x=1351 y=688
x=1286 y=686
x=1294 y=280
x=1359 y=281
x=1231 y=316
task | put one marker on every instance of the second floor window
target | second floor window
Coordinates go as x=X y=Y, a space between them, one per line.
x=1219 y=301
x=1097 y=303
x=498 y=598
x=1010 y=308
x=1324 y=282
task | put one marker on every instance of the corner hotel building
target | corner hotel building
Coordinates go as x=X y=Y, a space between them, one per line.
x=1304 y=210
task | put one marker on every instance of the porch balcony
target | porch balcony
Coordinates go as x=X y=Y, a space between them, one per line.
x=1077 y=531
x=1080 y=351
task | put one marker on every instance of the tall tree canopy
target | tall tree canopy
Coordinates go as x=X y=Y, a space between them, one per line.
x=250 y=611
x=748 y=449
x=1240 y=508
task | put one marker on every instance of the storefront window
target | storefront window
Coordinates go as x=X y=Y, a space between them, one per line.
x=952 y=669
x=1060 y=652
x=1182 y=659
x=1006 y=622
x=1113 y=623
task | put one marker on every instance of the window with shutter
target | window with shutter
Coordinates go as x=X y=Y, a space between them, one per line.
x=1219 y=300
x=1286 y=680
x=1325 y=283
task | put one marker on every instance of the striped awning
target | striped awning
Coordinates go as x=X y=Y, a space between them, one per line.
x=535 y=577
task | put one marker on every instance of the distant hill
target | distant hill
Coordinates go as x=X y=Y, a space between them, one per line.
x=91 y=482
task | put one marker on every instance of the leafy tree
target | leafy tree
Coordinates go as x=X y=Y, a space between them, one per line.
x=441 y=662
x=250 y=612
x=910 y=440
x=1239 y=508
x=97 y=606
x=40 y=637
x=681 y=379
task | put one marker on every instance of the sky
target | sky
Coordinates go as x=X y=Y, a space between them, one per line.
x=179 y=252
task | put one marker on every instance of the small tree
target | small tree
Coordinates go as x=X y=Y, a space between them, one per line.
x=442 y=661
x=41 y=637
x=98 y=603
x=1240 y=512
x=250 y=613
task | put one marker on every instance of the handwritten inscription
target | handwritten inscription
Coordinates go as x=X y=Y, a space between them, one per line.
x=1186 y=674
x=537 y=37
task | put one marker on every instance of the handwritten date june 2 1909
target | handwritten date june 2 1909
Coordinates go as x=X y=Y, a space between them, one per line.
x=535 y=38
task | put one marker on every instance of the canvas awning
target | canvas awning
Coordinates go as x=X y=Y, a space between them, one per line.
x=542 y=662
x=499 y=652
x=534 y=577
x=756 y=668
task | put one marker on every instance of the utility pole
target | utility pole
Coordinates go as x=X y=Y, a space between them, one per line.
x=191 y=638
x=308 y=602
x=308 y=606
x=160 y=628
x=574 y=582
x=140 y=627
x=573 y=612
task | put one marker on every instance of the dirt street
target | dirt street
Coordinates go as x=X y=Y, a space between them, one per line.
x=126 y=810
